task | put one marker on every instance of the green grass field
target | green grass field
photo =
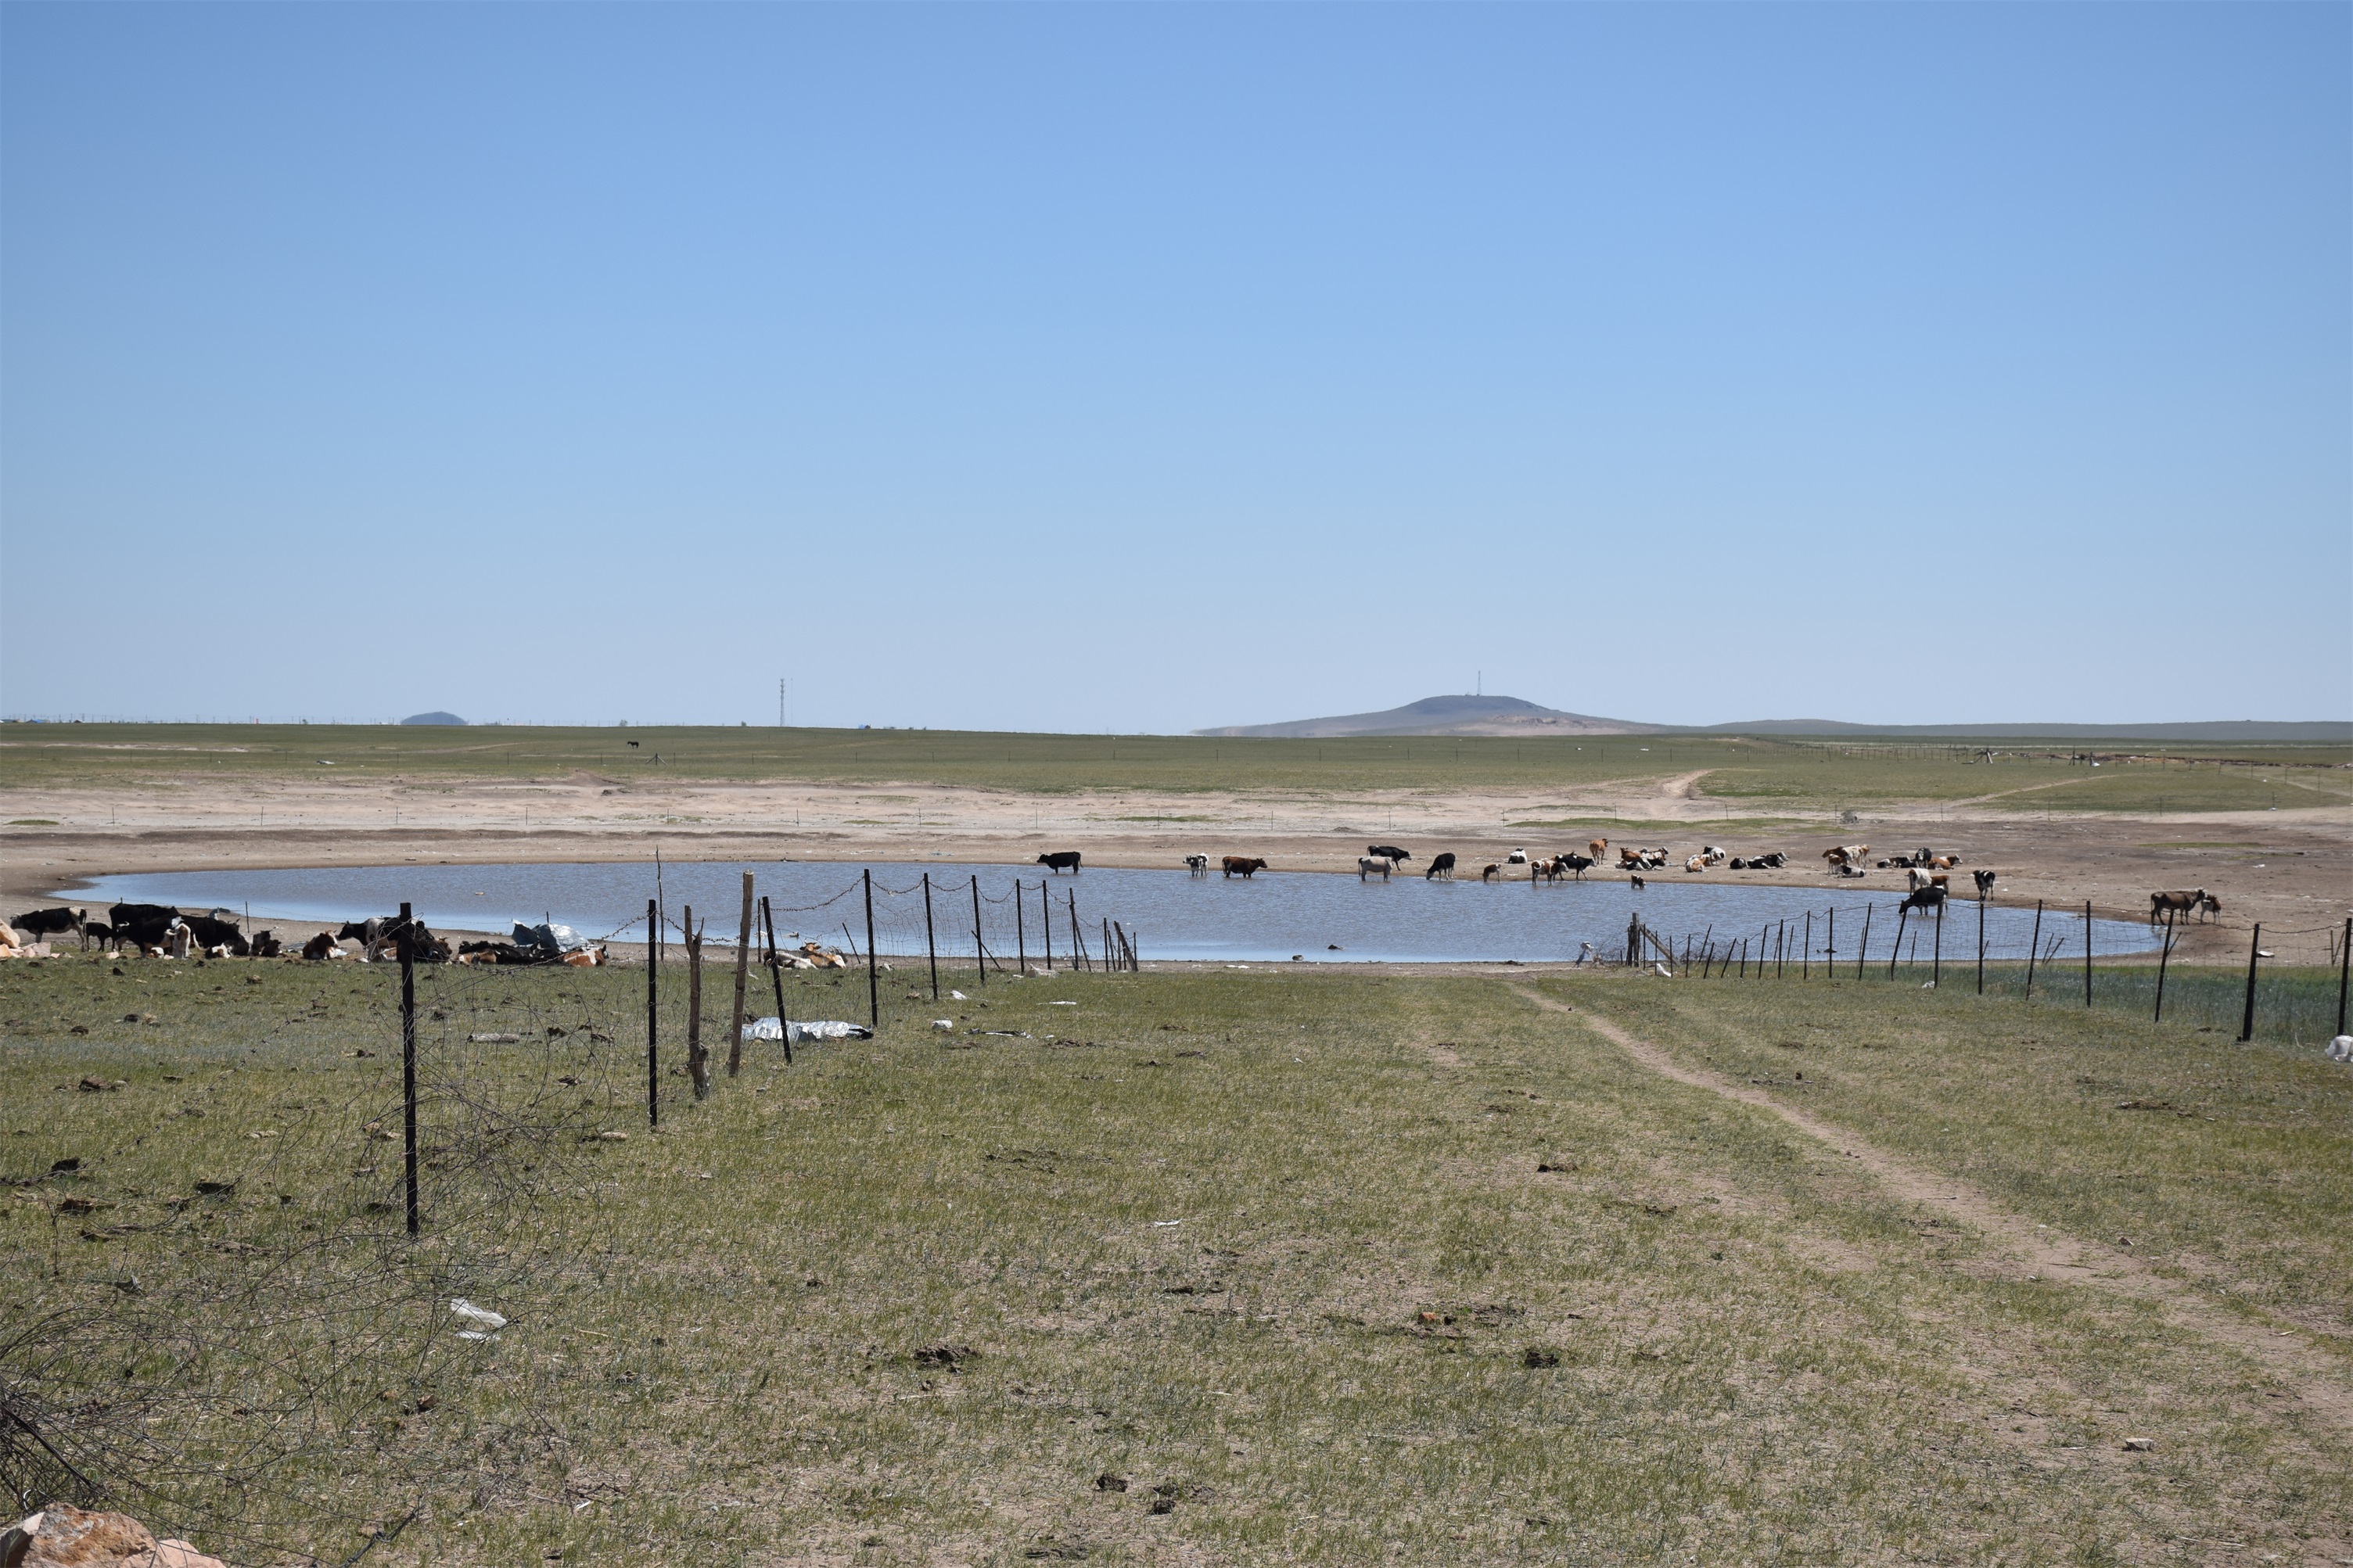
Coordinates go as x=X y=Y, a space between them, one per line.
x=1751 y=777
x=1274 y=1251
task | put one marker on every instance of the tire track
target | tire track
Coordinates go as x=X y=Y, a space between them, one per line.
x=2039 y=1251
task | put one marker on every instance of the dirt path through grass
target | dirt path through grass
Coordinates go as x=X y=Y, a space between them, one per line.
x=2037 y=1250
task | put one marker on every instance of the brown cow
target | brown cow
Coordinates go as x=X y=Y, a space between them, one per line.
x=1242 y=865
x=2181 y=903
x=1596 y=847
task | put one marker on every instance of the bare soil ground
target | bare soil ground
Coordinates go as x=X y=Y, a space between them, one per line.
x=2285 y=867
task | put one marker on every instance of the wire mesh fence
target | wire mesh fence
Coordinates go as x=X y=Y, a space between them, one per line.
x=2294 y=988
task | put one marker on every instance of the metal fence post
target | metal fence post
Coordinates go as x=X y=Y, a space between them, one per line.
x=930 y=943
x=2254 y=950
x=873 y=986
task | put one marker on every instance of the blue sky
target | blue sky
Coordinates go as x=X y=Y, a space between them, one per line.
x=1155 y=367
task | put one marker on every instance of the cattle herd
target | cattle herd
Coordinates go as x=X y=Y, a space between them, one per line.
x=1927 y=874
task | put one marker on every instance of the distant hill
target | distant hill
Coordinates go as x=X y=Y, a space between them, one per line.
x=1516 y=716
x=2319 y=732
x=436 y=717
x=1445 y=716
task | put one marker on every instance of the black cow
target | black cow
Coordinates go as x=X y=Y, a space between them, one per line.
x=1985 y=881
x=210 y=933
x=38 y=923
x=1927 y=898
x=266 y=946
x=1060 y=860
x=98 y=931
x=1388 y=852
x=1579 y=864
x=1442 y=861
x=366 y=931
x=133 y=914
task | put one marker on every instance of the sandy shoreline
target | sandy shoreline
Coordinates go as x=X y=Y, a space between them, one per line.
x=2289 y=869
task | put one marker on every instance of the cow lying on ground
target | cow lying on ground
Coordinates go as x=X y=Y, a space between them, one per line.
x=1516 y=857
x=322 y=946
x=1772 y=862
x=1696 y=863
x=1367 y=865
x=210 y=934
x=1443 y=863
x=1197 y=863
x=266 y=946
x=1242 y=865
x=1388 y=852
x=1060 y=860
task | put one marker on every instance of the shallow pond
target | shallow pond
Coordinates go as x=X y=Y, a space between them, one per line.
x=1168 y=914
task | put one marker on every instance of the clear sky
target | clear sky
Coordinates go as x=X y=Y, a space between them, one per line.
x=1134 y=368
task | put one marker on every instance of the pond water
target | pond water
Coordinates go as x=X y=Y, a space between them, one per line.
x=1168 y=914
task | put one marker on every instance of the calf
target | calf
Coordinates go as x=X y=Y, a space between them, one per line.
x=98 y=931
x=1596 y=847
x=322 y=946
x=1635 y=881
x=1984 y=881
x=1440 y=863
x=1493 y=870
x=2177 y=904
x=1367 y=865
x=266 y=946
x=1196 y=864
x=1388 y=852
x=1060 y=860
x=1242 y=865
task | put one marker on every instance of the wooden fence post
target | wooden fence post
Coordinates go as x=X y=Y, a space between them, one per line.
x=1936 y=952
x=873 y=987
x=1981 y=944
x=653 y=1017
x=1902 y=918
x=743 y=966
x=1806 y=958
x=1020 y=937
x=697 y=1060
x=408 y=1059
x=1046 y=923
x=2164 y=953
x=979 y=948
x=1863 y=951
x=2344 y=971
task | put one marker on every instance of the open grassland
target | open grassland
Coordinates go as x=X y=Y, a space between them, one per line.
x=1748 y=776
x=1280 y=1253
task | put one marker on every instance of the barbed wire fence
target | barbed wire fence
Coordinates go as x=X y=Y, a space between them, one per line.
x=2294 y=988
